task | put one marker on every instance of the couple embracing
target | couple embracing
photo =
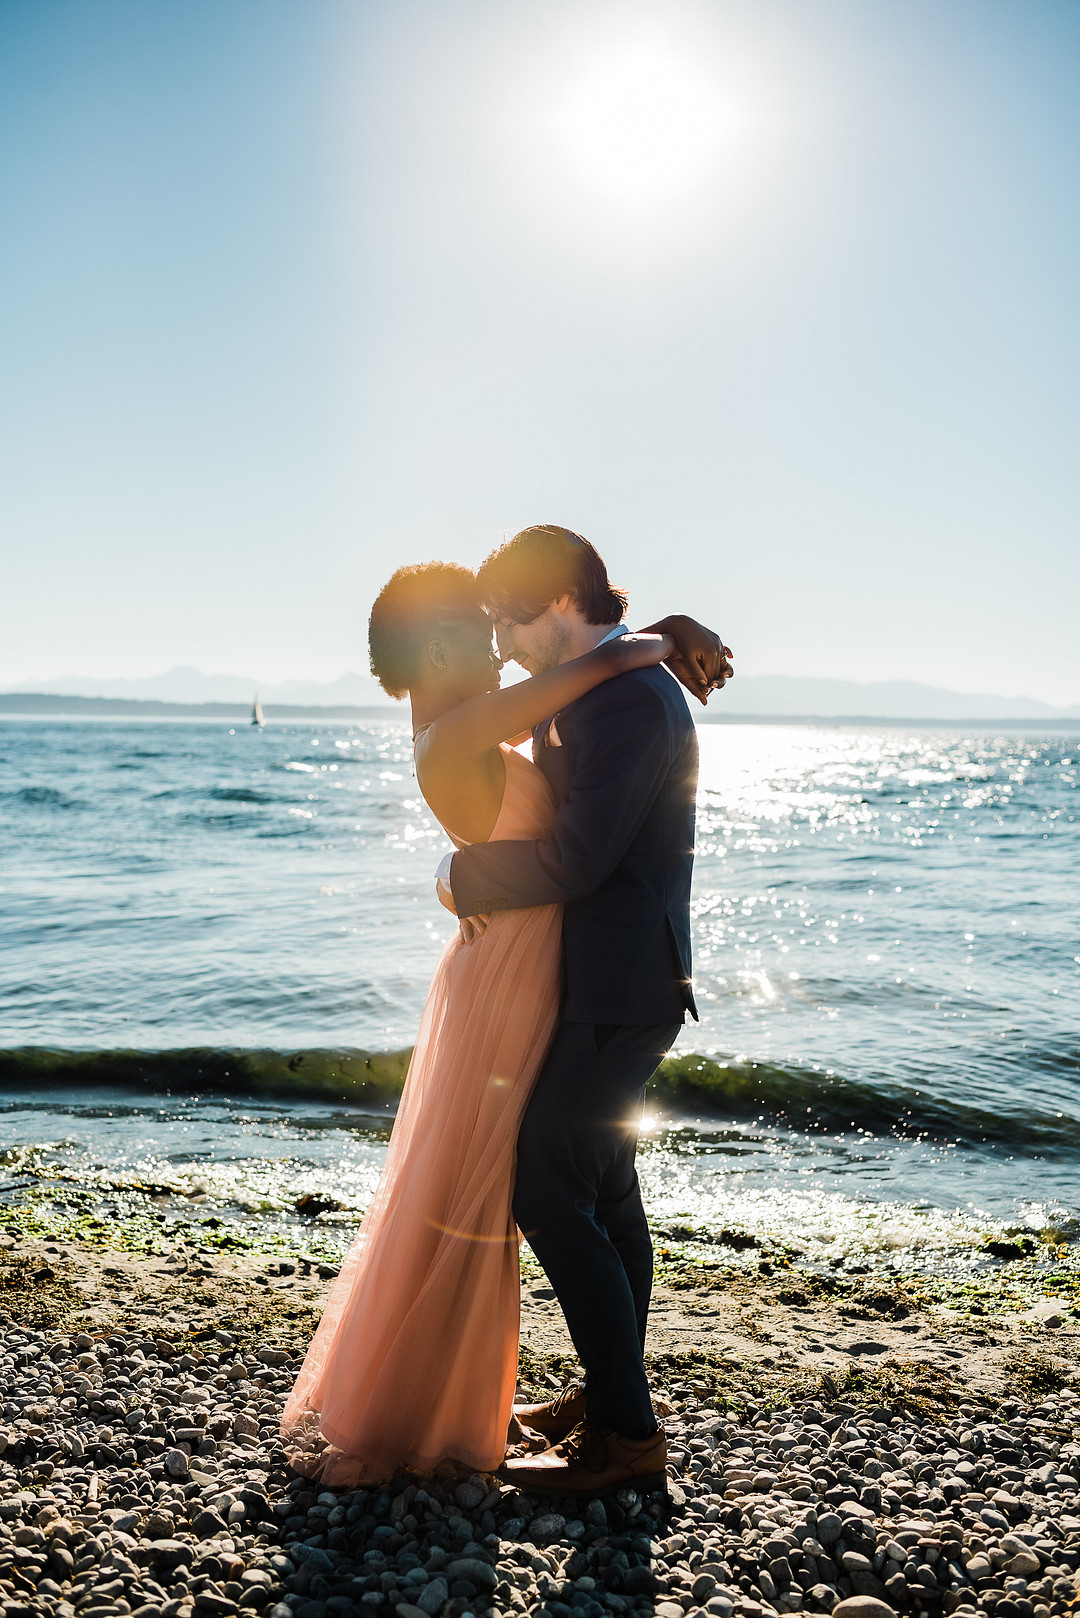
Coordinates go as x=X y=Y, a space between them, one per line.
x=550 y=1009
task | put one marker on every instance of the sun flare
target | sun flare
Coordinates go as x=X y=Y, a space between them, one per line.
x=646 y=122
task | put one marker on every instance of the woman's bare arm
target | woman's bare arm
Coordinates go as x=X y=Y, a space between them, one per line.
x=477 y=726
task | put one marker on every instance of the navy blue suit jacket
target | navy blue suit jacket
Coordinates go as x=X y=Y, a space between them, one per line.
x=620 y=855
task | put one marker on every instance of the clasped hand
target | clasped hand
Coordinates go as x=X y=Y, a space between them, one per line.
x=469 y=927
x=701 y=662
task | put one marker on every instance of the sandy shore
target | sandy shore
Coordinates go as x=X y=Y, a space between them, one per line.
x=826 y=1449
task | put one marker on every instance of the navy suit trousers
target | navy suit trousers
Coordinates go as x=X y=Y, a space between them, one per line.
x=578 y=1202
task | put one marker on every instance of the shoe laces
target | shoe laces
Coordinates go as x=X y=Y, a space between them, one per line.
x=587 y=1444
x=561 y=1400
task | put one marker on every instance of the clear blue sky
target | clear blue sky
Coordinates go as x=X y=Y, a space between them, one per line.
x=777 y=302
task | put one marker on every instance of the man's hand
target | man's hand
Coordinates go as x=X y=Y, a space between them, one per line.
x=700 y=661
x=469 y=927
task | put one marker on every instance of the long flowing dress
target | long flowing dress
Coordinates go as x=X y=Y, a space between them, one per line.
x=415 y=1358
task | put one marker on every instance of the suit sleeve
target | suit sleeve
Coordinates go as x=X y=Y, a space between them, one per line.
x=623 y=757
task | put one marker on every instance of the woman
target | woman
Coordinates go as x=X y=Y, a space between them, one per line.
x=415 y=1358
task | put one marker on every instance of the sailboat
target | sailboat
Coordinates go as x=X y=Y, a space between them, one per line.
x=257 y=713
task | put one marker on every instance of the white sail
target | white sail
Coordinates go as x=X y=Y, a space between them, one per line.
x=256 y=712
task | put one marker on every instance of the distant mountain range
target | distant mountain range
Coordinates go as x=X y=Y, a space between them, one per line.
x=765 y=696
x=188 y=685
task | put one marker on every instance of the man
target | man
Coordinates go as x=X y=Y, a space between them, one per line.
x=623 y=765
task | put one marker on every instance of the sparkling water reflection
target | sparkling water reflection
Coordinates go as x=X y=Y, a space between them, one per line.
x=893 y=907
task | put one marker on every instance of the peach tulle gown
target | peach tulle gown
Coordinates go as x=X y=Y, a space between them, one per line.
x=415 y=1358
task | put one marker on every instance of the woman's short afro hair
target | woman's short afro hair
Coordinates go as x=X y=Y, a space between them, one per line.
x=410 y=606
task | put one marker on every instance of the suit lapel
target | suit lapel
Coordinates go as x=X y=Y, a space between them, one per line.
x=556 y=762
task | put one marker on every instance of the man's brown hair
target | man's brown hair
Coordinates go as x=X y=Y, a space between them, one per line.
x=522 y=578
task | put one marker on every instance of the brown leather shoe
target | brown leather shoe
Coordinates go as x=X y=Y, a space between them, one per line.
x=521 y=1441
x=558 y=1416
x=591 y=1461
x=562 y=1414
x=515 y=1434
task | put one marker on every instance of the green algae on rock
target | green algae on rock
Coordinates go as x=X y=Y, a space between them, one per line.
x=364 y=1078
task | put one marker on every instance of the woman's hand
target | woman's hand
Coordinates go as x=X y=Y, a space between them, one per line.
x=700 y=661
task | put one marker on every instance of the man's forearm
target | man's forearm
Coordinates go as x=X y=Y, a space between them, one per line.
x=510 y=876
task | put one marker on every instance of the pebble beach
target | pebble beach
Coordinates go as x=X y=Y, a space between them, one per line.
x=933 y=1467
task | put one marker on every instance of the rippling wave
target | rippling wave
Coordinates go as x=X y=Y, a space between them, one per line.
x=686 y=1088
x=826 y=1101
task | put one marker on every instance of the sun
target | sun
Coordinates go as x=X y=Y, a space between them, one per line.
x=646 y=122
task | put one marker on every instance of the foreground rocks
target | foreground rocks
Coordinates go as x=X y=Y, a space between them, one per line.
x=136 y=1478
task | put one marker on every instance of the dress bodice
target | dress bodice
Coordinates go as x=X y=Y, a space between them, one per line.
x=527 y=811
x=528 y=807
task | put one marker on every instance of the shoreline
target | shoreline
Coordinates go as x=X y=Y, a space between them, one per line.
x=1021 y=1277
x=183 y=1508
x=56 y=706
x=47 y=705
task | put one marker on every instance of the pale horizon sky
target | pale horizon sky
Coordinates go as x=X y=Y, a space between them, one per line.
x=776 y=303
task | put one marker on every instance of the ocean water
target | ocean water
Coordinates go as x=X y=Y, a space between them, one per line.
x=887 y=966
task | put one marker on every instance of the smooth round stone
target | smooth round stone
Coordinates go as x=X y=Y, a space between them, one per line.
x=312 y=1555
x=208 y=1524
x=479 y=1574
x=171 y=1552
x=823 y=1596
x=863 y=1607
x=158 y=1525
x=434 y=1596
x=549 y=1525
x=829 y=1528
